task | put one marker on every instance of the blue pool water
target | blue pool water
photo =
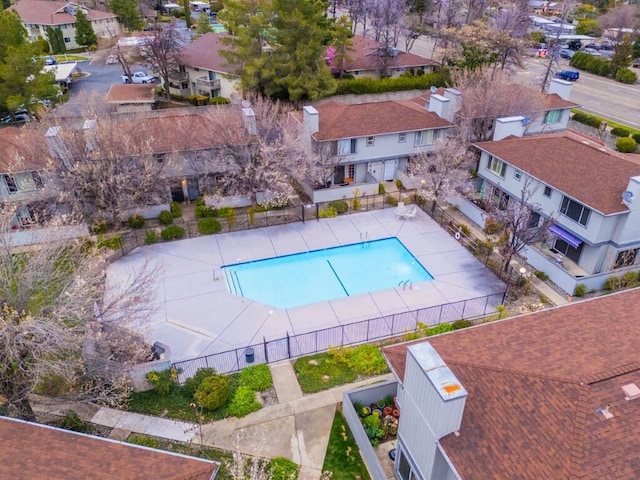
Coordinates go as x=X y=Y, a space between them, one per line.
x=321 y=275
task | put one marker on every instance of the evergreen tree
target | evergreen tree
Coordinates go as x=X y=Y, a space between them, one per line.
x=12 y=33
x=56 y=40
x=85 y=35
x=202 y=24
x=635 y=49
x=127 y=12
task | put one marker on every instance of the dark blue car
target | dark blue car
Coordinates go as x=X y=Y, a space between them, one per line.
x=570 y=75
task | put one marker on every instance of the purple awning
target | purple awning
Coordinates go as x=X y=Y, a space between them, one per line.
x=568 y=237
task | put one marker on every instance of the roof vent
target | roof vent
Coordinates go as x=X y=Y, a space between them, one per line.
x=605 y=411
x=631 y=391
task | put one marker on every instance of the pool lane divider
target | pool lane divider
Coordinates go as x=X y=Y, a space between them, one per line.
x=337 y=278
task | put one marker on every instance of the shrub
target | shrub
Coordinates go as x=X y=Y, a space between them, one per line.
x=464 y=228
x=114 y=243
x=381 y=190
x=438 y=329
x=256 y=377
x=213 y=392
x=280 y=468
x=151 y=237
x=393 y=201
x=636 y=137
x=460 y=324
x=399 y=184
x=165 y=217
x=72 y=421
x=203 y=211
x=482 y=248
x=361 y=86
x=491 y=226
x=363 y=359
x=371 y=425
x=580 y=290
x=225 y=212
x=198 y=100
x=100 y=227
x=209 y=226
x=624 y=75
x=219 y=101
x=626 y=144
x=191 y=384
x=163 y=382
x=541 y=275
x=620 y=132
x=587 y=119
x=144 y=440
x=243 y=402
x=172 y=232
x=176 y=209
x=136 y=221
x=340 y=206
x=329 y=212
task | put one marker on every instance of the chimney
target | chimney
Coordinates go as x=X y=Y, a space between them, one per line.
x=561 y=87
x=455 y=97
x=508 y=126
x=311 y=119
x=440 y=106
x=249 y=119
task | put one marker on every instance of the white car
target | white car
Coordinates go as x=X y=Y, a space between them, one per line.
x=138 y=77
x=592 y=51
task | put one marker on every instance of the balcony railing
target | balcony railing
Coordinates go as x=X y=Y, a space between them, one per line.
x=178 y=76
x=205 y=83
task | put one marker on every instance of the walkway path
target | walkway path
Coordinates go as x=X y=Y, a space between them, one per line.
x=297 y=428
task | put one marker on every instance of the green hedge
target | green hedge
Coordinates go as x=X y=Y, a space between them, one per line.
x=209 y=226
x=172 y=232
x=636 y=137
x=587 y=119
x=340 y=206
x=359 y=86
x=113 y=243
x=626 y=144
x=165 y=217
x=620 y=132
x=624 y=75
x=598 y=65
x=136 y=221
x=219 y=101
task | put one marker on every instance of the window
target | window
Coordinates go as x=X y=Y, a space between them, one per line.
x=353 y=145
x=426 y=137
x=552 y=116
x=67 y=40
x=575 y=211
x=626 y=258
x=499 y=198
x=496 y=166
x=517 y=175
x=370 y=141
x=63 y=27
x=547 y=191
x=11 y=183
x=534 y=220
x=402 y=137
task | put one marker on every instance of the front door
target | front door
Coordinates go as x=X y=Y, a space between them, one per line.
x=375 y=169
x=390 y=170
x=567 y=250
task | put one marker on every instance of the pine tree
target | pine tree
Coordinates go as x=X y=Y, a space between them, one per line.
x=85 y=35
x=127 y=12
x=202 y=24
x=56 y=40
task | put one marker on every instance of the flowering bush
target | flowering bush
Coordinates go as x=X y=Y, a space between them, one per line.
x=164 y=381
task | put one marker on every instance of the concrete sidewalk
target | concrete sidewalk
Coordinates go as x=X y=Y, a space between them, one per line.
x=297 y=428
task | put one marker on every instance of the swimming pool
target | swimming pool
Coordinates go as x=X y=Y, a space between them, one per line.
x=321 y=275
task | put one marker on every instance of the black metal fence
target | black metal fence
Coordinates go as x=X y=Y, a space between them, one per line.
x=293 y=346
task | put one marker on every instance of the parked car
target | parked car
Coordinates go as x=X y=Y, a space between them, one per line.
x=574 y=44
x=49 y=60
x=19 y=116
x=138 y=77
x=592 y=51
x=570 y=75
x=595 y=46
x=636 y=63
x=567 y=53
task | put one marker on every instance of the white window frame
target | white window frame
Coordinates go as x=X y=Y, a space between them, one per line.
x=496 y=166
x=371 y=141
x=553 y=117
x=544 y=191
x=402 y=137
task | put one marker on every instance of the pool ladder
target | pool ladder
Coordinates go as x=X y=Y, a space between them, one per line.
x=404 y=284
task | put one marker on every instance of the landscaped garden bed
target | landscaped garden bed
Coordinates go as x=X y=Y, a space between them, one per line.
x=379 y=420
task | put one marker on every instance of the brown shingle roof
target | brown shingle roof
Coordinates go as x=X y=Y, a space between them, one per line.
x=31 y=451
x=204 y=53
x=43 y=12
x=348 y=121
x=22 y=149
x=123 y=93
x=364 y=56
x=534 y=383
x=574 y=164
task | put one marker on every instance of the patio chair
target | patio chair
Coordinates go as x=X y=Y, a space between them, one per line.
x=411 y=214
x=401 y=210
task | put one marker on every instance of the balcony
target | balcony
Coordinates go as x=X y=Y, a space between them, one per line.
x=206 y=84
x=179 y=76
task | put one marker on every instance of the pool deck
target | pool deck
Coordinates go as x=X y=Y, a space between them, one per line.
x=197 y=315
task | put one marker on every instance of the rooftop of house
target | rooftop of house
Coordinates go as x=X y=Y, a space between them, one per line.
x=536 y=385
x=364 y=56
x=338 y=120
x=45 y=12
x=130 y=93
x=22 y=150
x=30 y=450
x=204 y=53
x=574 y=164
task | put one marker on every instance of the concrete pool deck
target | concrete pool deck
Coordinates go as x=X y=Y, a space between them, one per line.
x=198 y=315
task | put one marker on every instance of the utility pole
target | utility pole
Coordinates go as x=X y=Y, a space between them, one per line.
x=566 y=8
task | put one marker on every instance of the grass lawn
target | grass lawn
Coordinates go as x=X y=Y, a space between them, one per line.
x=185 y=449
x=321 y=372
x=176 y=404
x=343 y=456
x=70 y=57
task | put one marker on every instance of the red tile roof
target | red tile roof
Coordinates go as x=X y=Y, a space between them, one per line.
x=534 y=383
x=339 y=120
x=364 y=56
x=45 y=12
x=31 y=451
x=204 y=53
x=573 y=164
x=122 y=93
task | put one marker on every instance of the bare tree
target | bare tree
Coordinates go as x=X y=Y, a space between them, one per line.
x=162 y=52
x=443 y=171
x=523 y=224
x=475 y=10
x=109 y=165
x=112 y=51
x=621 y=20
x=62 y=324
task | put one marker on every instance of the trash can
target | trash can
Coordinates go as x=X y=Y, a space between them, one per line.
x=249 y=355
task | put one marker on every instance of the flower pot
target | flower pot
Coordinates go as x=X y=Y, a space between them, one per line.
x=395 y=413
x=387 y=411
x=365 y=411
x=377 y=412
x=373 y=406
